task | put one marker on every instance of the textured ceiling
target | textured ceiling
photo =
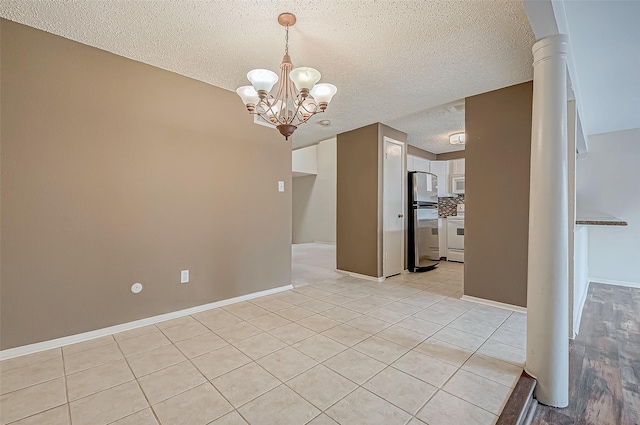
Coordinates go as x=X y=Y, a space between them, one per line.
x=430 y=129
x=389 y=59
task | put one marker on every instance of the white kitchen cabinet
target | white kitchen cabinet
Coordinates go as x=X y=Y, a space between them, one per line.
x=421 y=164
x=457 y=183
x=411 y=163
x=441 y=170
x=416 y=163
x=457 y=167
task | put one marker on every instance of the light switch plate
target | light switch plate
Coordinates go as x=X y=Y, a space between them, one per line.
x=280 y=186
x=184 y=276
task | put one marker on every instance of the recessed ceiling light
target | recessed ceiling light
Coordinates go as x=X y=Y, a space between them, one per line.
x=324 y=123
x=456 y=139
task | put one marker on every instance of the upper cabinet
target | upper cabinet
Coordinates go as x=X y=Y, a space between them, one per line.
x=410 y=163
x=441 y=170
x=422 y=164
x=416 y=163
x=450 y=173
x=457 y=167
x=457 y=176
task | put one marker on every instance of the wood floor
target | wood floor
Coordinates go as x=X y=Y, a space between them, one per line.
x=604 y=361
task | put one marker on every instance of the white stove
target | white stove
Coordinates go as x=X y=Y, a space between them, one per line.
x=455 y=236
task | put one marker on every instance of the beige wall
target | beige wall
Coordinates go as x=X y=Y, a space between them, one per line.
x=115 y=172
x=357 y=201
x=314 y=199
x=359 y=207
x=412 y=150
x=498 y=153
x=450 y=155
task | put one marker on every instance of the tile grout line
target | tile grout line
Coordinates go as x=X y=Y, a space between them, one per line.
x=44 y=382
x=139 y=386
x=376 y=374
x=460 y=368
x=209 y=381
x=66 y=387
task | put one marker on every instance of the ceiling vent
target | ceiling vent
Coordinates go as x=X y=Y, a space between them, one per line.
x=455 y=106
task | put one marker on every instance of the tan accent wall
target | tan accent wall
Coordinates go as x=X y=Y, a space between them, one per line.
x=498 y=154
x=412 y=150
x=115 y=172
x=359 y=227
x=357 y=201
x=450 y=155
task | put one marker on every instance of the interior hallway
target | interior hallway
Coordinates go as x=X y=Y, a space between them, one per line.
x=312 y=263
x=604 y=362
x=341 y=351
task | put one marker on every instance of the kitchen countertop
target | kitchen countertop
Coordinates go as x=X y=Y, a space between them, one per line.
x=600 y=221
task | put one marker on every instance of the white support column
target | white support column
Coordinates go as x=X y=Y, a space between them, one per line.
x=548 y=281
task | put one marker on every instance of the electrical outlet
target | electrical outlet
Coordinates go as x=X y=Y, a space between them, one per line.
x=184 y=276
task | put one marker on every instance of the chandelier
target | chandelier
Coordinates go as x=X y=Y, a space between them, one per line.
x=299 y=96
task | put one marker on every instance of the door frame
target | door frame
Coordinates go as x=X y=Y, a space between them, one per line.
x=403 y=172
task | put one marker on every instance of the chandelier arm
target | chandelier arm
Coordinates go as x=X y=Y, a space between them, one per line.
x=315 y=109
x=269 y=106
x=298 y=108
x=290 y=96
x=278 y=95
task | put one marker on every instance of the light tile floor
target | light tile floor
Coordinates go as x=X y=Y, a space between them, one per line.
x=344 y=350
x=313 y=263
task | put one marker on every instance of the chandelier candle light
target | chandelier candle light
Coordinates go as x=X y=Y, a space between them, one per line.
x=299 y=95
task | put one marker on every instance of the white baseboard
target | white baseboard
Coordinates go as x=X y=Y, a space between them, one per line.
x=362 y=276
x=73 y=339
x=497 y=304
x=615 y=282
x=325 y=242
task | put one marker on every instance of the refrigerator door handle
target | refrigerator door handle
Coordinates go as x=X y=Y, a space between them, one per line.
x=416 y=240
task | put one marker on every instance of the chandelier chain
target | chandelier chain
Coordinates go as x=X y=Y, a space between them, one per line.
x=286 y=40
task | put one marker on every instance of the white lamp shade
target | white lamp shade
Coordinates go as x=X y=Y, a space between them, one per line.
x=275 y=108
x=248 y=95
x=262 y=79
x=304 y=77
x=323 y=92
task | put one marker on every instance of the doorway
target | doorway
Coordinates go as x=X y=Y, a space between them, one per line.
x=393 y=210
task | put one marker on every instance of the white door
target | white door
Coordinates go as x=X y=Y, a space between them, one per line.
x=393 y=197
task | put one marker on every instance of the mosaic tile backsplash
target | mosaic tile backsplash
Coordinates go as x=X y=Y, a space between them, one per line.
x=447 y=206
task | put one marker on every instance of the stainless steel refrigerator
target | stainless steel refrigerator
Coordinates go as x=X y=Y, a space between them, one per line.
x=424 y=245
